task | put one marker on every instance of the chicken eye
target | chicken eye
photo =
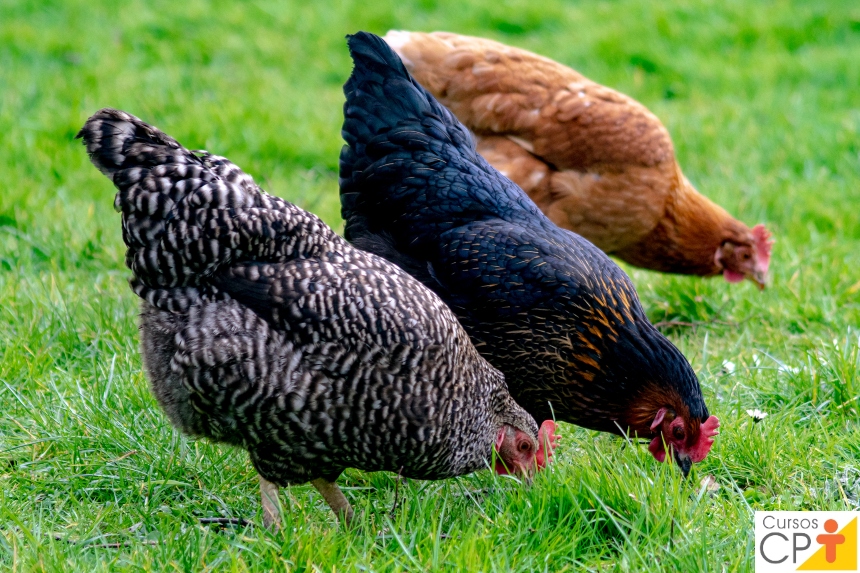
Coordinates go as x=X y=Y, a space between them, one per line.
x=745 y=256
x=678 y=433
x=525 y=447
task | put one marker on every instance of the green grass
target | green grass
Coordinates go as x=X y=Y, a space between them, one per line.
x=763 y=105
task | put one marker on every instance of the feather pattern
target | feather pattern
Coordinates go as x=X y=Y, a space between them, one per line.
x=262 y=328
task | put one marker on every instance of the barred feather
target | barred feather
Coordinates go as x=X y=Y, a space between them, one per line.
x=262 y=328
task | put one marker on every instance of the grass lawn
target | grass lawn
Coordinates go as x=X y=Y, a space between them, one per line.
x=763 y=103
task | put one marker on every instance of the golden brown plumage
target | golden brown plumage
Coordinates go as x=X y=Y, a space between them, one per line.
x=594 y=160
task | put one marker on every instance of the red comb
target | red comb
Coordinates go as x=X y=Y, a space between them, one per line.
x=547 y=441
x=707 y=431
x=763 y=246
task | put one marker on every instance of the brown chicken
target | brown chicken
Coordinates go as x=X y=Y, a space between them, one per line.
x=594 y=160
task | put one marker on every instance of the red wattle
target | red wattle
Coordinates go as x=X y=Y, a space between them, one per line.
x=657 y=449
x=732 y=276
x=500 y=467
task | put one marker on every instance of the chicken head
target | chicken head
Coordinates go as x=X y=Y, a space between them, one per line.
x=688 y=440
x=749 y=259
x=519 y=454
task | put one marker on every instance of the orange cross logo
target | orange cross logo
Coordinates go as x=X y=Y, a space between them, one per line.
x=838 y=551
x=829 y=540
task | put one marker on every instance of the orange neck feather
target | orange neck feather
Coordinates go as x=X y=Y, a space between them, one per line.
x=688 y=235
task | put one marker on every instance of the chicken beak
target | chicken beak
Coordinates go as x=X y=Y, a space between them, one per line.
x=759 y=278
x=684 y=462
x=525 y=474
x=528 y=475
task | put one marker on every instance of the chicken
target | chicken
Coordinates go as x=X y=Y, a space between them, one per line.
x=543 y=305
x=595 y=161
x=262 y=328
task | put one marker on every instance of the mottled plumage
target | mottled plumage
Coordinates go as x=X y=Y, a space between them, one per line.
x=543 y=305
x=262 y=328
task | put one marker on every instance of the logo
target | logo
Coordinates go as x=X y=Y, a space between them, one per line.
x=805 y=541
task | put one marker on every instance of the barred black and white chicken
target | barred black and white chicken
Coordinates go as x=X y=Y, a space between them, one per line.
x=262 y=328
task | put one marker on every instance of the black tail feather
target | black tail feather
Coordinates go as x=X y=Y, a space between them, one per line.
x=380 y=93
x=409 y=169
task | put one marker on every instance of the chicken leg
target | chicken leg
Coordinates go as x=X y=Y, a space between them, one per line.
x=271 y=506
x=335 y=499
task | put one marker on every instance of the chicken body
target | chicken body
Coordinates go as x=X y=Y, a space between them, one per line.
x=542 y=304
x=262 y=328
x=594 y=160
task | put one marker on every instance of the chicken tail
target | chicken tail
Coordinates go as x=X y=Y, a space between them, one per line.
x=381 y=96
x=186 y=215
x=409 y=170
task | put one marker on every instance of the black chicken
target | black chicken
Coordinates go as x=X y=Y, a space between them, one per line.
x=262 y=328
x=543 y=305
